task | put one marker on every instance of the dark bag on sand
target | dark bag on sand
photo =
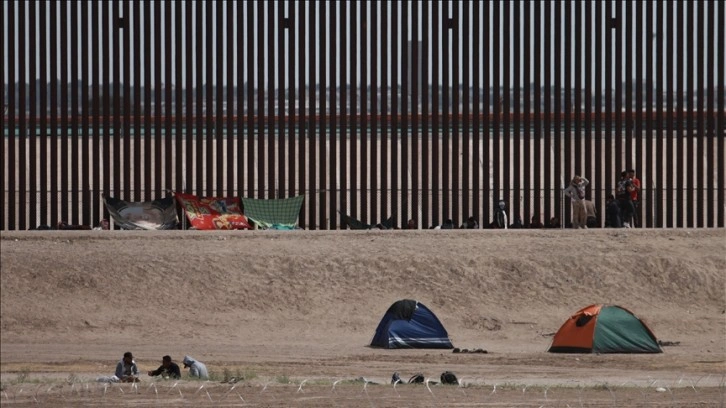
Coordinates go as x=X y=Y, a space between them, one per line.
x=447 y=377
x=416 y=379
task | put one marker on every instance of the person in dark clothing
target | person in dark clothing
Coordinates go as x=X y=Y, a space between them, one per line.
x=612 y=213
x=168 y=369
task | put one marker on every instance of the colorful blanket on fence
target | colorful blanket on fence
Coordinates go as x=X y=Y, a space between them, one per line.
x=274 y=213
x=213 y=213
x=147 y=215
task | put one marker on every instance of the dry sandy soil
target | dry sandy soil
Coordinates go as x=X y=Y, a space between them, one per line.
x=292 y=313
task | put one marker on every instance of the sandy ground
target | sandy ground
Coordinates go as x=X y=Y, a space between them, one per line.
x=292 y=313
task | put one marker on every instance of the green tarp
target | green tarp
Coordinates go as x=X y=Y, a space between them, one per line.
x=273 y=213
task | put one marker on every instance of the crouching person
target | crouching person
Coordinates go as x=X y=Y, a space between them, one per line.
x=126 y=369
x=196 y=368
x=168 y=369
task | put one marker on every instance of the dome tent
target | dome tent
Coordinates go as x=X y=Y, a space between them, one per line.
x=410 y=324
x=604 y=329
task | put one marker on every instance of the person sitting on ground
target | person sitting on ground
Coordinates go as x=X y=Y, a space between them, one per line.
x=471 y=223
x=554 y=223
x=196 y=368
x=168 y=369
x=535 y=223
x=126 y=369
x=448 y=224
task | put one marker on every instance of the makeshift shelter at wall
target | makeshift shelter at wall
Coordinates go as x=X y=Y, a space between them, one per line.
x=281 y=214
x=355 y=224
x=604 y=329
x=410 y=324
x=159 y=214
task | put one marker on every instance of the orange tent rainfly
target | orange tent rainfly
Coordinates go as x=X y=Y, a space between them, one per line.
x=604 y=329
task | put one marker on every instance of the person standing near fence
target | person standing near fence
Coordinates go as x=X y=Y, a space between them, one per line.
x=634 y=194
x=576 y=192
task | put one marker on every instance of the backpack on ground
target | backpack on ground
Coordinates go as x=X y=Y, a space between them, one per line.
x=416 y=379
x=447 y=377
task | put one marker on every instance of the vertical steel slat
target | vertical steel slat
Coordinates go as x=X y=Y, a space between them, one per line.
x=538 y=136
x=232 y=133
x=45 y=134
x=88 y=209
x=240 y=180
x=269 y=130
x=74 y=115
x=548 y=193
x=188 y=181
x=208 y=165
x=291 y=107
x=645 y=131
x=385 y=108
x=583 y=101
x=22 y=137
x=125 y=131
x=169 y=84
x=405 y=112
x=354 y=132
x=680 y=118
x=526 y=111
x=12 y=111
x=436 y=115
x=477 y=88
x=64 y=150
x=374 y=113
x=344 y=111
x=497 y=101
x=572 y=151
x=301 y=137
x=628 y=99
x=456 y=134
x=712 y=120
x=115 y=110
x=690 y=112
x=4 y=208
x=32 y=112
x=721 y=128
x=197 y=52
x=610 y=168
x=53 y=79
x=446 y=161
x=617 y=50
x=515 y=111
x=282 y=68
x=136 y=104
x=152 y=141
x=251 y=110
x=178 y=44
x=595 y=114
x=322 y=130
x=700 y=117
x=160 y=138
x=467 y=167
x=560 y=175
x=311 y=126
x=363 y=127
x=221 y=86
x=335 y=109
x=93 y=107
x=669 y=78
x=395 y=109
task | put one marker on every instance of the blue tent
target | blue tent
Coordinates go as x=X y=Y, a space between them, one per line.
x=409 y=324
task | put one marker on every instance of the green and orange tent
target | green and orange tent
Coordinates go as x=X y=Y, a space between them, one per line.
x=604 y=329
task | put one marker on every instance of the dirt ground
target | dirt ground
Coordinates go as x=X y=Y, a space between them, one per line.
x=290 y=315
